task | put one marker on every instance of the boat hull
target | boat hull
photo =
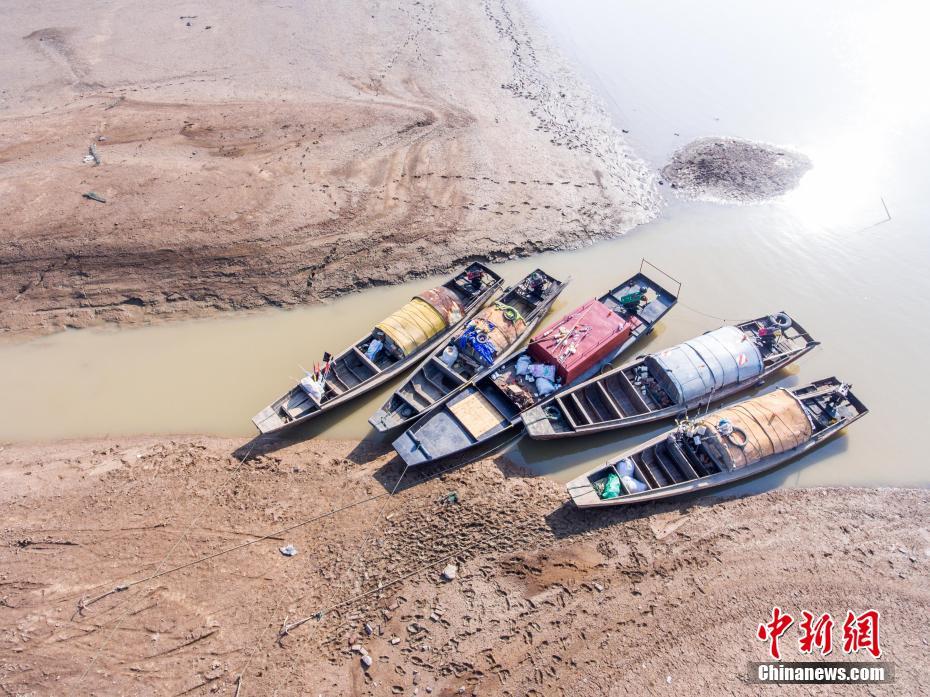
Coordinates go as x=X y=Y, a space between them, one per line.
x=380 y=420
x=276 y=418
x=541 y=427
x=584 y=494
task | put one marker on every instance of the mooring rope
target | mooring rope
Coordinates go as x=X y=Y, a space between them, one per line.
x=707 y=314
x=158 y=570
x=286 y=628
x=319 y=614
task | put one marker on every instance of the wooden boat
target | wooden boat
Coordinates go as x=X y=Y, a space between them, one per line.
x=570 y=350
x=396 y=344
x=484 y=342
x=669 y=383
x=726 y=446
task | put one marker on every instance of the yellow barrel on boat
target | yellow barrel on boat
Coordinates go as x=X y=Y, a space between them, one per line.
x=421 y=319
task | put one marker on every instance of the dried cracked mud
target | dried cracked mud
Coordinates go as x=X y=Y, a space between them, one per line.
x=546 y=599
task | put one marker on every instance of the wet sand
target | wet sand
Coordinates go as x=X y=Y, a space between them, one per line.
x=375 y=146
x=545 y=600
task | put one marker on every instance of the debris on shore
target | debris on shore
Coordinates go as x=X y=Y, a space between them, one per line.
x=732 y=170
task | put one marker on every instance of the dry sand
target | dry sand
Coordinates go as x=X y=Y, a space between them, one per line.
x=547 y=600
x=258 y=154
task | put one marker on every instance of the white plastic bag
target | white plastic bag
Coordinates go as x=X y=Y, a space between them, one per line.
x=624 y=468
x=544 y=386
x=314 y=388
x=632 y=485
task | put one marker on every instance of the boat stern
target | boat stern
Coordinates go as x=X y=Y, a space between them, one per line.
x=384 y=421
x=411 y=451
x=582 y=492
x=268 y=420
x=433 y=438
x=538 y=424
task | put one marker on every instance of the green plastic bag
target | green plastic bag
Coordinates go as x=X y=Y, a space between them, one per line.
x=611 y=487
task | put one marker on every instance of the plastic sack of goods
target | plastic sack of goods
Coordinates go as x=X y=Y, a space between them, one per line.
x=420 y=320
x=621 y=482
x=541 y=375
x=526 y=367
x=313 y=387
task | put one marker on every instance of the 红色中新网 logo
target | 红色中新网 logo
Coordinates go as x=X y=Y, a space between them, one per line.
x=855 y=634
x=860 y=632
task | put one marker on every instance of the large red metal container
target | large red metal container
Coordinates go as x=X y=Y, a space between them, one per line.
x=581 y=339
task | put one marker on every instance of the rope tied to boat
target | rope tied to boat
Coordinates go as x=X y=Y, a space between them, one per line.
x=511 y=314
x=320 y=614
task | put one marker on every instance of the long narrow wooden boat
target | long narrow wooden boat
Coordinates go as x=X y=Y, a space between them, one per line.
x=669 y=383
x=744 y=440
x=395 y=344
x=484 y=342
x=570 y=350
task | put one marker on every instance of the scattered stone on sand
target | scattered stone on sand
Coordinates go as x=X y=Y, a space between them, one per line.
x=366 y=661
x=734 y=171
x=450 y=572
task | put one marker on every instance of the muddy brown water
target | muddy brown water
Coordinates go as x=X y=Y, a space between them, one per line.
x=822 y=253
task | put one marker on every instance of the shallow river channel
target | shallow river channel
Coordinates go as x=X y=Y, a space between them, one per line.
x=836 y=81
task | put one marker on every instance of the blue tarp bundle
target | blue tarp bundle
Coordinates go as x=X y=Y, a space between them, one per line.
x=483 y=350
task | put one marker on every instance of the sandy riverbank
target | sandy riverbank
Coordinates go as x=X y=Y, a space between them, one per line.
x=547 y=600
x=380 y=144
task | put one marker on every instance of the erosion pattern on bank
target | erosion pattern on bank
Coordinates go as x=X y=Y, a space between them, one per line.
x=378 y=145
x=733 y=170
